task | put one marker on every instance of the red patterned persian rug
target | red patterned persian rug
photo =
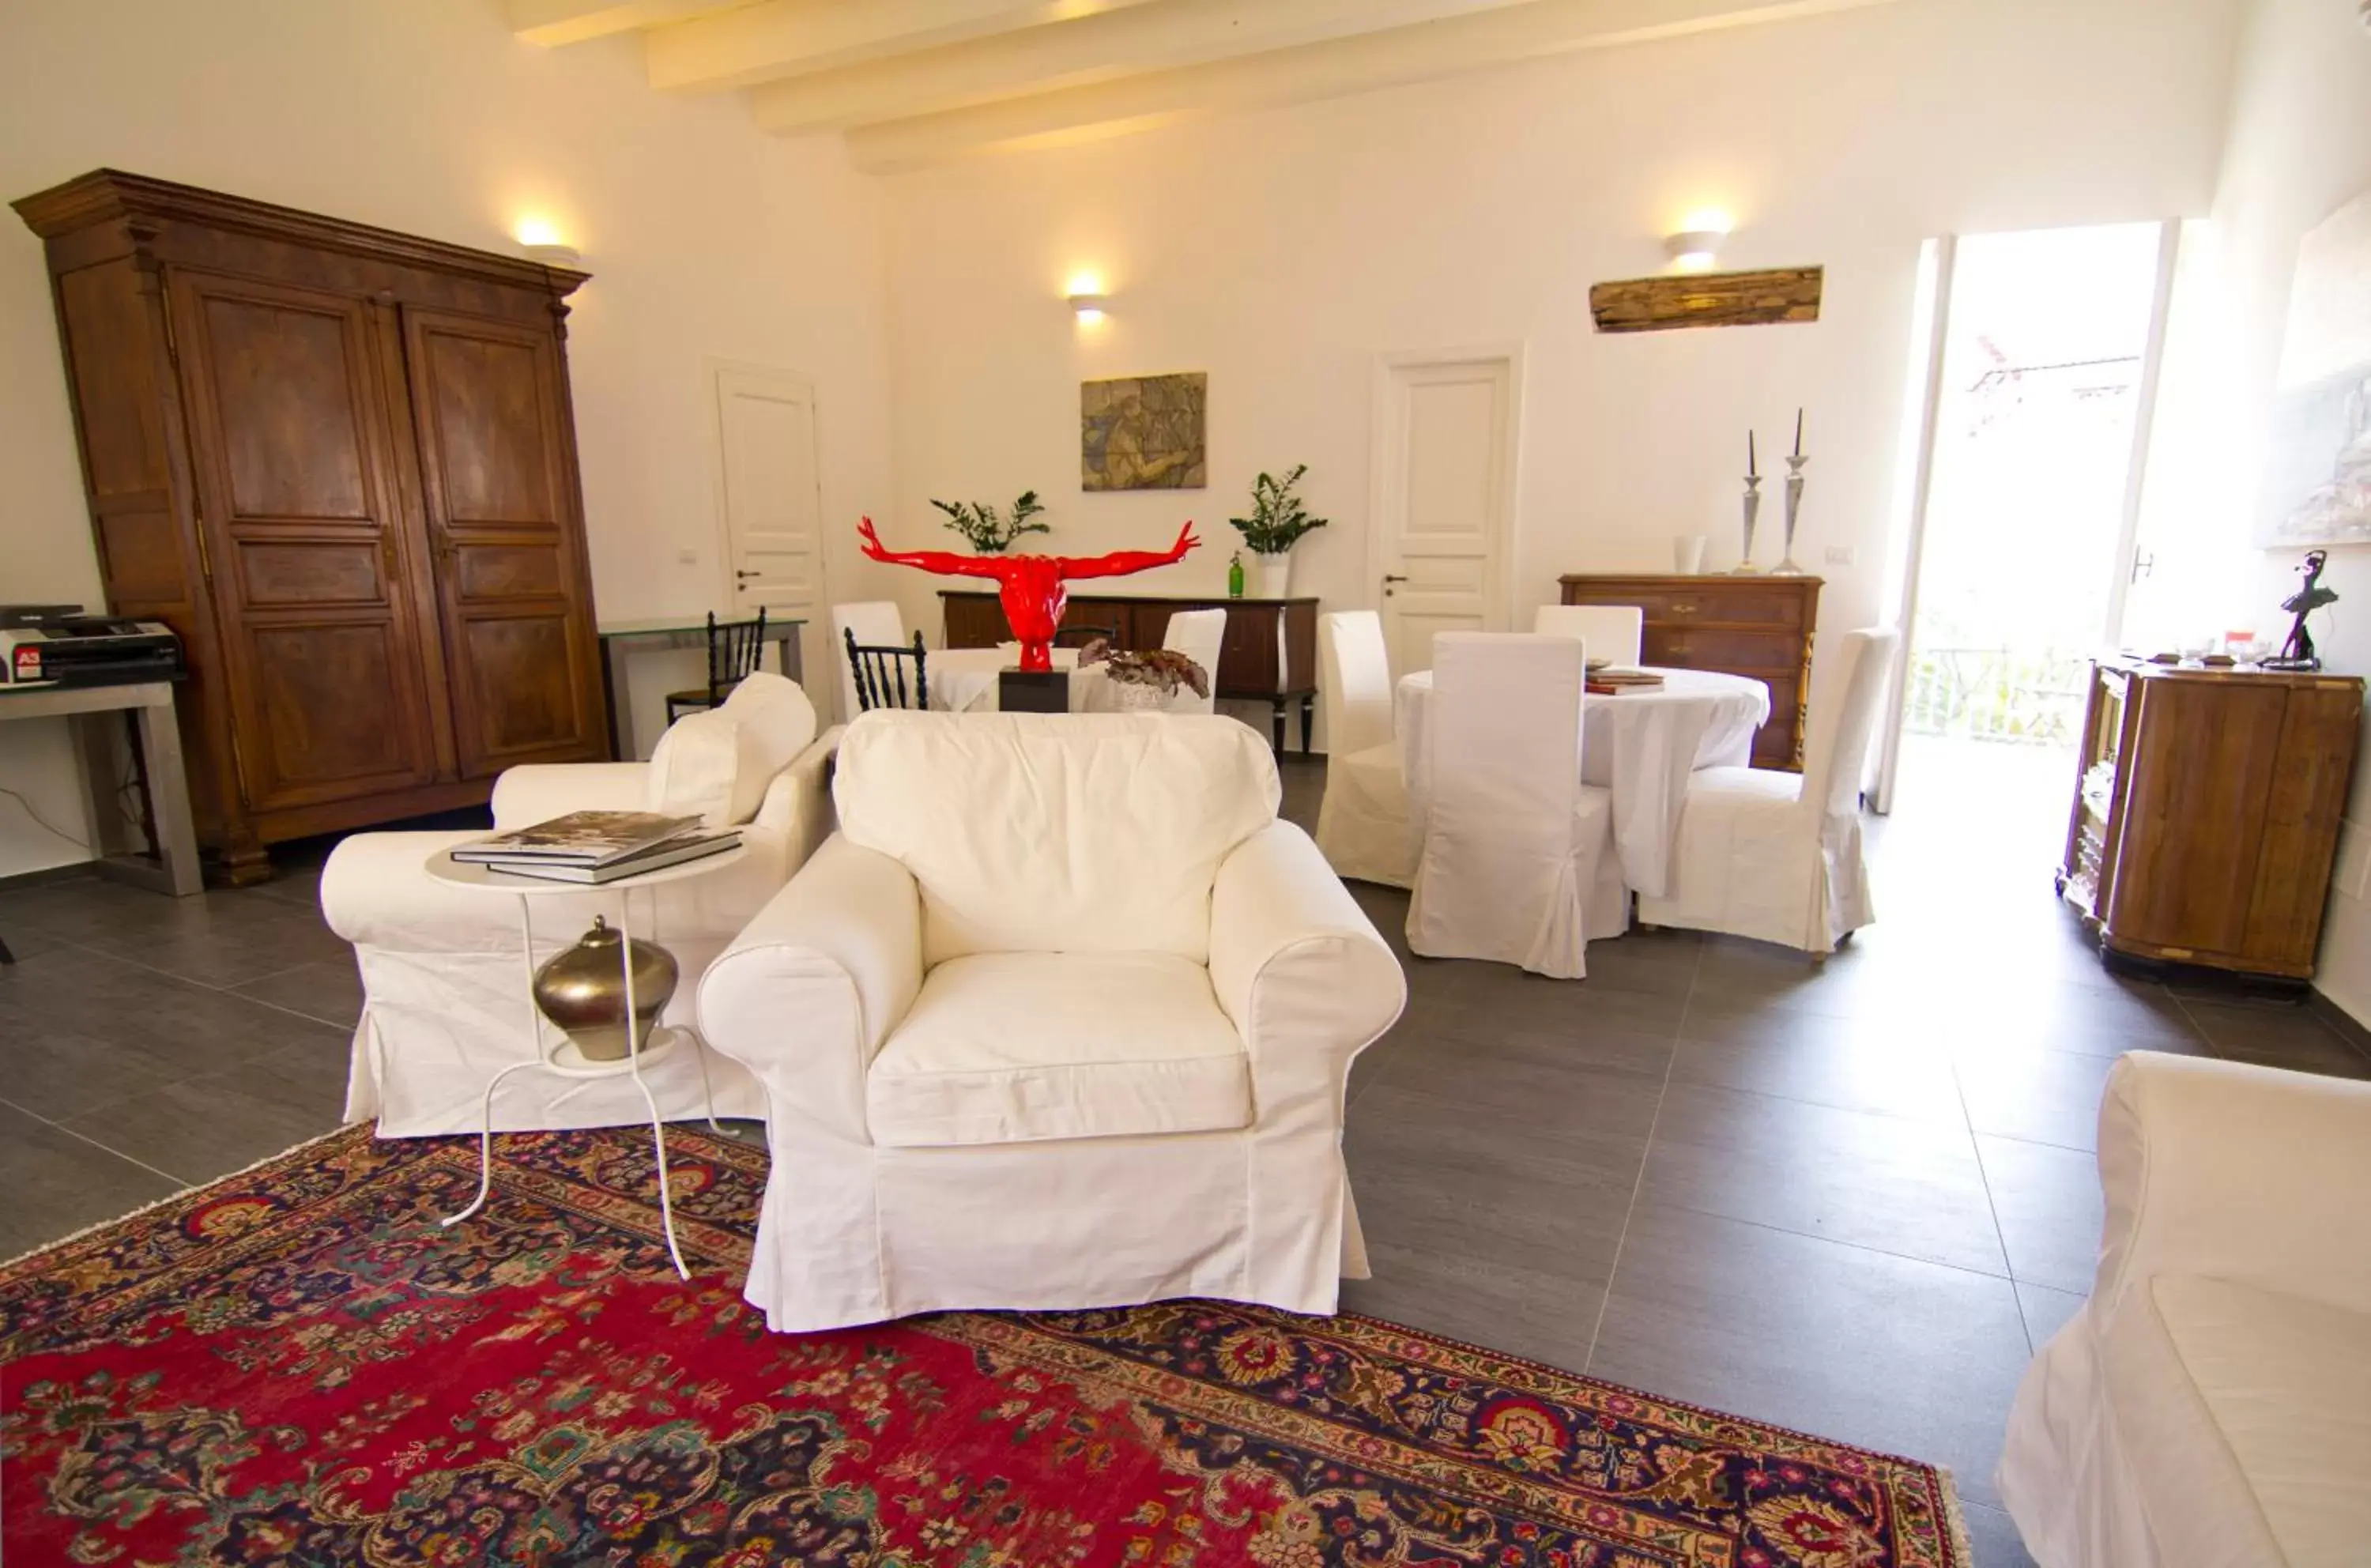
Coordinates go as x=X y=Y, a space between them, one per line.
x=297 y=1365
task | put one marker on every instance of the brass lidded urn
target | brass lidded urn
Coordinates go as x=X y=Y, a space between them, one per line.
x=583 y=990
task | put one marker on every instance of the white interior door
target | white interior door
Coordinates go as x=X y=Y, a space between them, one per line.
x=773 y=504
x=1445 y=456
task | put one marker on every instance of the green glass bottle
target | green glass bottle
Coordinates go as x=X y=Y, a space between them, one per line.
x=1235 y=575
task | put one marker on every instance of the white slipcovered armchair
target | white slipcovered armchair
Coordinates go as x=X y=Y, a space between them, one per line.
x=2211 y=1403
x=444 y=989
x=1060 y=1018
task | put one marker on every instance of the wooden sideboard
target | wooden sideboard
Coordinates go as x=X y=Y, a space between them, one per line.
x=1758 y=626
x=2207 y=812
x=1269 y=655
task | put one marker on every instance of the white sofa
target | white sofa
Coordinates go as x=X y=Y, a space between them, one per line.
x=1060 y=1018
x=2211 y=1403
x=444 y=989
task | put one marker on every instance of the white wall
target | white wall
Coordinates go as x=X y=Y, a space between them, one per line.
x=705 y=238
x=1281 y=251
x=2299 y=148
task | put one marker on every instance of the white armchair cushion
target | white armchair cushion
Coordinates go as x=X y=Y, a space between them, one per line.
x=779 y=719
x=708 y=765
x=1017 y=1047
x=1047 y=833
x=539 y=791
x=2287 y=1383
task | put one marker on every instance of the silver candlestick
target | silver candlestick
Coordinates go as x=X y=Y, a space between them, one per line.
x=1746 y=568
x=1787 y=567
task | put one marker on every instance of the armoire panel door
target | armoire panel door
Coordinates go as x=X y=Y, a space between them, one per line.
x=292 y=454
x=498 y=478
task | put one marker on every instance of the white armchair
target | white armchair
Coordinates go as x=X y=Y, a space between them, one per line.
x=1062 y=1017
x=2211 y=1403
x=444 y=989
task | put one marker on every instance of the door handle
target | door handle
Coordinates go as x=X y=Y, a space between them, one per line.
x=740 y=575
x=1390 y=578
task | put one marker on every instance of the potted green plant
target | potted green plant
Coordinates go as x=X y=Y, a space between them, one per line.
x=989 y=531
x=1277 y=523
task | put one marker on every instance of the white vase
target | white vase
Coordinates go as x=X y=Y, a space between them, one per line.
x=1135 y=696
x=1272 y=575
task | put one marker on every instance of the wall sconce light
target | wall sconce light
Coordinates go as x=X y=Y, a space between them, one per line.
x=540 y=237
x=1692 y=251
x=1085 y=293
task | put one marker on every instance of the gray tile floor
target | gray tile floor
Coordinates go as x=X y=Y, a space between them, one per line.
x=1849 y=1199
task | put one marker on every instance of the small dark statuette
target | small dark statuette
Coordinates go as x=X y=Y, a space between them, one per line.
x=2297 y=652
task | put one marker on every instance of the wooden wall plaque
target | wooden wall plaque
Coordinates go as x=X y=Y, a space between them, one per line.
x=1709 y=299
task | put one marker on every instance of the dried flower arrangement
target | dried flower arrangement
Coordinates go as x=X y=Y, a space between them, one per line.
x=1162 y=668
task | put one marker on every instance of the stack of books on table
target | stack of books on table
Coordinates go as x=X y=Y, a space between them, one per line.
x=1611 y=681
x=597 y=847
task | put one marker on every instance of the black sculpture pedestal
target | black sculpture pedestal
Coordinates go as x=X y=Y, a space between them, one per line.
x=1033 y=691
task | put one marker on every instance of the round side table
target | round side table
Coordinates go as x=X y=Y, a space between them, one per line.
x=554 y=1052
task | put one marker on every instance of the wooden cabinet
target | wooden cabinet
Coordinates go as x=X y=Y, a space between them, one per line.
x=1269 y=654
x=339 y=463
x=1759 y=627
x=2207 y=812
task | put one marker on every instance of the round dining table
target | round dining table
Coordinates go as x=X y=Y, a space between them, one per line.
x=1640 y=744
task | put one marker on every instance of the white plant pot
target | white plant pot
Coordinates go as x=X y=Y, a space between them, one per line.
x=1272 y=575
x=1135 y=696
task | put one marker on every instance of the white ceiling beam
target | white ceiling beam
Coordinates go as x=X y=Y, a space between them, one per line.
x=786 y=38
x=555 y=22
x=1095 y=48
x=1533 y=30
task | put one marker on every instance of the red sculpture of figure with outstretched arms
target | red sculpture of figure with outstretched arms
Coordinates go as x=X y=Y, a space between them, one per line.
x=1030 y=586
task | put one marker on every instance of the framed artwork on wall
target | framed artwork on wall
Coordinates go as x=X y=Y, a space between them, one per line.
x=1143 y=432
x=2317 y=459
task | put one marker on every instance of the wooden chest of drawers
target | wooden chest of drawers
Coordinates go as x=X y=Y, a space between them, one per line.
x=1758 y=627
x=2207 y=812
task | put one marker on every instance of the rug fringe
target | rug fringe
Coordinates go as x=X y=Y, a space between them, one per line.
x=9 y=1264
x=1955 y=1520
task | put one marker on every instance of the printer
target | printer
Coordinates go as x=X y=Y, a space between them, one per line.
x=59 y=645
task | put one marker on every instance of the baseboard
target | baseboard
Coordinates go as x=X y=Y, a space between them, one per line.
x=70 y=872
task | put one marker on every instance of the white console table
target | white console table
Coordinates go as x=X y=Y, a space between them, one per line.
x=173 y=866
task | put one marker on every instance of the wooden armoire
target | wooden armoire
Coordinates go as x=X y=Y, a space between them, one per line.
x=341 y=464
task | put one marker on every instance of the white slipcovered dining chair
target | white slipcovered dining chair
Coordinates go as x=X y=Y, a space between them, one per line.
x=1362 y=821
x=444 y=1003
x=1060 y=1018
x=1777 y=856
x=1616 y=633
x=877 y=623
x=1197 y=634
x=1517 y=863
x=2210 y=1405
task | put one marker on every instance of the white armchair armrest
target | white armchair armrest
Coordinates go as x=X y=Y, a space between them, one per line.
x=539 y=791
x=805 y=996
x=2242 y=1173
x=798 y=802
x=1296 y=965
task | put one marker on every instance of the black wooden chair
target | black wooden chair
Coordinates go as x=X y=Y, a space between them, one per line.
x=1079 y=636
x=734 y=649
x=880 y=673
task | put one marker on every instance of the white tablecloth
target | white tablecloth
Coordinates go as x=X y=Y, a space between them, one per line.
x=963 y=680
x=1640 y=744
